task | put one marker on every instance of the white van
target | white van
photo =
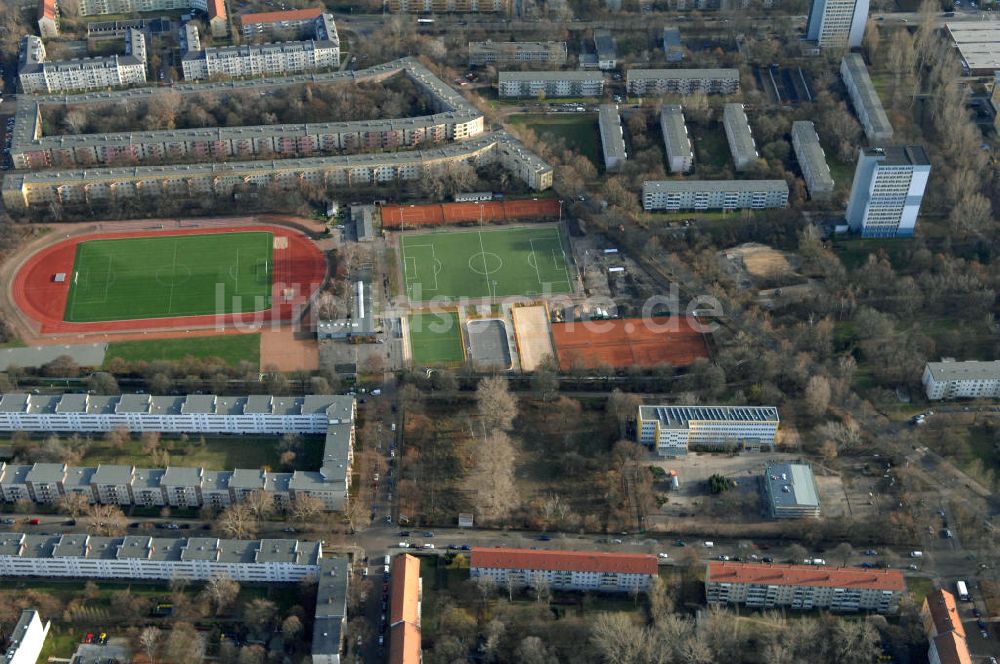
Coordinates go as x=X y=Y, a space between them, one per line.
x=387 y=559
x=916 y=554
x=709 y=545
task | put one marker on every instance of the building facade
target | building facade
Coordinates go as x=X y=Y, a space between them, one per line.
x=804 y=587
x=812 y=160
x=659 y=82
x=482 y=53
x=790 y=491
x=672 y=430
x=741 y=143
x=888 y=188
x=971 y=379
x=680 y=154
x=550 y=84
x=837 y=23
x=673 y=195
x=564 y=570
x=864 y=98
x=612 y=138
x=48 y=19
x=27 y=638
x=38 y=75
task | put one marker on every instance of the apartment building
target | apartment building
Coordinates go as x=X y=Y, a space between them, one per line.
x=406 y=590
x=253 y=60
x=812 y=160
x=672 y=430
x=888 y=188
x=680 y=154
x=550 y=84
x=741 y=143
x=48 y=19
x=864 y=98
x=564 y=570
x=36 y=74
x=944 y=630
x=482 y=53
x=607 y=51
x=673 y=195
x=454 y=119
x=215 y=10
x=179 y=486
x=837 y=23
x=971 y=379
x=672 y=47
x=790 y=491
x=331 y=609
x=449 y=6
x=27 y=638
x=293 y=19
x=659 y=82
x=612 y=138
x=804 y=587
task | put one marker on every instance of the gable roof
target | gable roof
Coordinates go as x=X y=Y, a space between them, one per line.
x=404 y=644
x=278 y=17
x=805 y=575
x=944 y=612
x=216 y=9
x=576 y=561
x=404 y=590
x=47 y=9
x=952 y=649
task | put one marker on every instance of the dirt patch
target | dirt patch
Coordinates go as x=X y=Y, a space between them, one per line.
x=761 y=261
x=531 y=329
x=281 y=349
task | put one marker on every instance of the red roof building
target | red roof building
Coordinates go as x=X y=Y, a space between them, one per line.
x=293 y=18
x=405 y=593
x=48 y=18
x=565 y=570
x=218 y=20
x=943 y=626
x=804 y=587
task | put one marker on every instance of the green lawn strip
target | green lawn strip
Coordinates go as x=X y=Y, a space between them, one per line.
x=579 y=131
x=230 y=348
x=436 y=339
x=164 y=276
x=711 y=148
x=919 y=588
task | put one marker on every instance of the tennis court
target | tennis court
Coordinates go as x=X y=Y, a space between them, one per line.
x=402 y=217
x=484 y=263
x=173 y=275
x=638 y=342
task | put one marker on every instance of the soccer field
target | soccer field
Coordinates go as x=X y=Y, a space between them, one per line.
x=168 y=276
x=498 y=263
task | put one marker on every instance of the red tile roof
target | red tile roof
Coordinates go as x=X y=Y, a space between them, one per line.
x=216 y=8
x=404 y=644
x=952 y=649
x=47 y=9
x=404 y=590
x=278 y=17
x=576 y=561
x=944 y=612
x=804 y=575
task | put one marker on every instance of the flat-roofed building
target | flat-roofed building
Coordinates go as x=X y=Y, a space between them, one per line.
x=293 y=19
x=790 y=491
x=659 y=82
x=612 y=137
x=672 y=47
x=604 y=46
x=550 y=84
x=672 y=430
x=38 y=74
x=673 y=195
x=971 y=379
x=331 y=609
x=45 y=482
x=565 y=570
x=804 y=587
x=27 y=638
x=680 y=153
x=741 y=143
x=864 y=98
x=837 y=23
x=482 y=53
x=812 y=160
x=978 y=44
x=887 y=191
x=405 y=598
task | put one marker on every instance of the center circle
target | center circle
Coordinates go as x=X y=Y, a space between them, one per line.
x=173 y=276
x=485 y=262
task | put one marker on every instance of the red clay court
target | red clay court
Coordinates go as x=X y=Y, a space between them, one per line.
x=631 y=342
x=299 y=269
x=401 y=217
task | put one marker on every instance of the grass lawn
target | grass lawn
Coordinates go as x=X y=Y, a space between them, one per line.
x=710 y=147
x=436 y=339
x=853 y=251
x=919 y=588
x=230 y=348
x=491 y=263
x=579 y=131
x=174 y=275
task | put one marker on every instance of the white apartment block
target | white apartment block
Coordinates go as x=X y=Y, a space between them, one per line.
x=971 y=379
x=804 y=587
x=864 y=98
x=812 y=160
x=550 y=84
x=612 y=138
x=448 y=6
x=674 y=195
x=482 y=53
x=564 y=570
x=659 y=82
x=37 y=75
x=672 y=430
x=741 y=143
x=180 y=486
x=680 y=154
x=887 y=191
x=27 y=638
x=837 y=23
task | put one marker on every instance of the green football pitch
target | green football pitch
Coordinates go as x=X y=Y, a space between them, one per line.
x=497 y=263
x=173 y=275
x=436 y=339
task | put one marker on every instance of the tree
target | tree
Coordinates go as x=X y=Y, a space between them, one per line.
x=546 y=380
x=74 y=504
x=843 y=551
x=118 y=437
x=719 y=483
x=221 y=591
x=260 y=503
x=259 y=614
x=496 y=494
x=305 y=508
x=102 y=382
x=291 y=628
x=149 y=640
x=532 y=650
x=238 y=522
x=63 y=366
x=797 y=553
x=623 y=408
x=497 y=406
x=106 y=520
x=817 y=396
x=617 y=638
x=252 y=654
x=185 y=644
x=971 y=212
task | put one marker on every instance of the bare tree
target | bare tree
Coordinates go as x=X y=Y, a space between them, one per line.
x=623 y=408
x=221 y=591
x=118 y=437
x=185 y=644
x=74 y=504
x=238 y=522
x=496 y=494
x=149 y=639
x=532 y=650
x=497 y=406
x=305 y=508
x=260 y=503
x=291 y=628
x=106 y=520
x=817 y=396
x=617 y=638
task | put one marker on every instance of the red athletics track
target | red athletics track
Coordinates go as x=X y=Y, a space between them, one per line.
x=301 y=267
x=396 y=217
